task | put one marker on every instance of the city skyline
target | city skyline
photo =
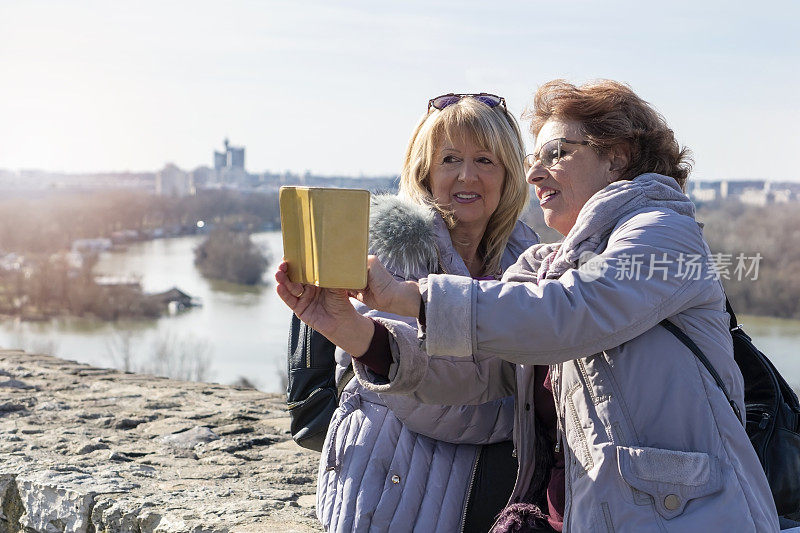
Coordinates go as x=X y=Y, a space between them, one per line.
x=336 y=90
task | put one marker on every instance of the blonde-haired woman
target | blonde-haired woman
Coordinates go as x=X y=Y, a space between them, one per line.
x=468 y=121
x=389 y=462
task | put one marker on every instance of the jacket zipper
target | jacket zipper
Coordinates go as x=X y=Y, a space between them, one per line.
x=764 y=421
x=469 y=489
x=556 y=385
x=308 y=347
x=568 y=486
x=292 y=405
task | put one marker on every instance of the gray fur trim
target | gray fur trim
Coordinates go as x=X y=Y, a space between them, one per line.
x=401 y=234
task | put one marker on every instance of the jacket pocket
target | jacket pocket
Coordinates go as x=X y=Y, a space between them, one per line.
x=311 y=416
x=576 y=433
x=671 y=478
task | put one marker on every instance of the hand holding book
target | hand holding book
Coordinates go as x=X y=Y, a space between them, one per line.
x=330 y=312
x=384 y=293
x=325 y=233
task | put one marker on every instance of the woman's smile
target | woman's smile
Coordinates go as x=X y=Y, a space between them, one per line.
x=545 y=195
x=466 y=197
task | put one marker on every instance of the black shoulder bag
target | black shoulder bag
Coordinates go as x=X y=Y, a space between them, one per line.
x=312 y=394
x=772 y=409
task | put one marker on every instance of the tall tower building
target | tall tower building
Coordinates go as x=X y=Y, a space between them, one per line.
x=229 y=164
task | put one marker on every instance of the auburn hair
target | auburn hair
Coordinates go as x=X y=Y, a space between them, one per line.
x=611 y=114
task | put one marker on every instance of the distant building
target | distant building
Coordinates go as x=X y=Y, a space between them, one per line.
x=203 y=176
x=735 y=189
x=703 y=191
x=769 y=194
x=124 y=236
x=220 y=160
x=229 y=165
x=91 y=245
x=755 y=197
x=750 y=192
x=785 y=191
x=11 y=261
x=177 y=296
x=39 y=180
x=172 y=181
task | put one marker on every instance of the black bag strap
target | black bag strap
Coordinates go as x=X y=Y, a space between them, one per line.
x=684 y=338
x=734 y=322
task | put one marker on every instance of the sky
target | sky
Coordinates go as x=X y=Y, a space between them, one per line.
x=336 y=87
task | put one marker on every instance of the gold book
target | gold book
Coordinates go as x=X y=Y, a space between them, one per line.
x=325 y=234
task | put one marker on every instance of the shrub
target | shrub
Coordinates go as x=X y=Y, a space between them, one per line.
x=231 y=256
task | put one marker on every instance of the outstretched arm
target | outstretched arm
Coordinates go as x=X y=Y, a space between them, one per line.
x=327 y=311
x=582 y=312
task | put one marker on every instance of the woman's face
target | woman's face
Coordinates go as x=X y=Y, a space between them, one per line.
x=565 y=187
x=467 y=179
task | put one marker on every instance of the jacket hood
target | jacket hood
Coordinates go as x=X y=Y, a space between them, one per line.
x=597 y=219
x=412 y=240
x=402 y=234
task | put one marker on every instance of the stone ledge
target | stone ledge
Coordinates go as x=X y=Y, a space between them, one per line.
x=86 y=449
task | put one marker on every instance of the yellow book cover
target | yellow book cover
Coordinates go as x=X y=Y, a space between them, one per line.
x=325 y=235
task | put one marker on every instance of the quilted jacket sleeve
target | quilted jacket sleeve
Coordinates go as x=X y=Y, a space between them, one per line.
x=439 y=379
x=487 y=421
x=643 y=278
x=475 y=329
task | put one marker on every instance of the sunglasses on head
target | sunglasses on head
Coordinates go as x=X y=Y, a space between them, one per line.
x=491 y=100
x=549 y=153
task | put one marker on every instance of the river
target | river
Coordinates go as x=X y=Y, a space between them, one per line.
x=241 y=331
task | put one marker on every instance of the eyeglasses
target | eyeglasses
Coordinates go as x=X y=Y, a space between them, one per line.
x=549 y=153
x=492 y=100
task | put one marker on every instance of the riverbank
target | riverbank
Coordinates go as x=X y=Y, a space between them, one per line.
x=90 y=449
x=243 y=329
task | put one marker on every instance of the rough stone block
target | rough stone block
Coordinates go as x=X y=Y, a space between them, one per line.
x=95 y=450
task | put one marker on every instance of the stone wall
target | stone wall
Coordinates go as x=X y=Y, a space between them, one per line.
x=86 y=449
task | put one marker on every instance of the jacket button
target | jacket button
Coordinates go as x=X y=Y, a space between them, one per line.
x=527 y=407
x=395 y=479
x=672 y=502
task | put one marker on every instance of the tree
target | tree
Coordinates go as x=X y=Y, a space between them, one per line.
x=231 y=256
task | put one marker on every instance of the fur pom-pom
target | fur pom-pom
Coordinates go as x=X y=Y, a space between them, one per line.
x=401 y=234
x=521 y=518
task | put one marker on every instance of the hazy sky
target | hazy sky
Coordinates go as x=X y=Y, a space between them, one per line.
x=336 y=87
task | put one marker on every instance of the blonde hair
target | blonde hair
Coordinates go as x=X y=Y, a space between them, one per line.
x=493 y=129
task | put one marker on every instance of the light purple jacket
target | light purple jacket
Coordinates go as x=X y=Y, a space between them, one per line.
x=392 y=463
x=651 y=443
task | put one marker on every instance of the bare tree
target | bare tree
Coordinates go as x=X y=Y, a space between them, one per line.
x=120 y=349
x=180 y=358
